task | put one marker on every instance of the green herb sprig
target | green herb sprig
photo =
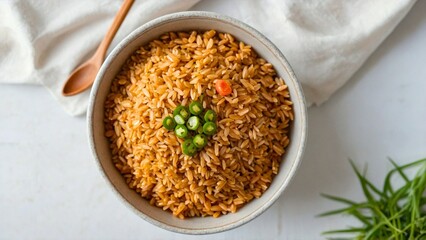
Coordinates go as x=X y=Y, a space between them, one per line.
x=388 y=213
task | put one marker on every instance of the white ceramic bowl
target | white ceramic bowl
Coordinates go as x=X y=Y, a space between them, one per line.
x=186 y=21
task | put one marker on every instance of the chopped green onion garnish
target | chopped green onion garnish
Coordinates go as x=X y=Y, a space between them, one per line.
x=179 y=119
x=193 y=123
x=200 y=140
x=177 y=110
x=181 y=131
x=210 y=116
x=169 y=123
x=200 y=129
x=196 y=108
x=183 y=111
x=188 y=148
x=209 y=128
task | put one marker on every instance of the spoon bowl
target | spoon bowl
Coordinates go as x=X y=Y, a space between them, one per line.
x=78 y=81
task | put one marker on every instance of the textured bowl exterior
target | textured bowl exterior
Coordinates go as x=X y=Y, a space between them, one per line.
x=186 y=21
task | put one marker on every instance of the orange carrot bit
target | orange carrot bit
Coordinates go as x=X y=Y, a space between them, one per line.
x=223 y=87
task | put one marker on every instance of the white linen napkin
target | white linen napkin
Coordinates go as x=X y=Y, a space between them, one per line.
x=326 y=41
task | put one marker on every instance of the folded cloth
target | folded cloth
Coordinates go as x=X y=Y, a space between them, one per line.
x=326 y=41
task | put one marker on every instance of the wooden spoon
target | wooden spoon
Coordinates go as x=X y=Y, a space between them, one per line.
x=83 y=76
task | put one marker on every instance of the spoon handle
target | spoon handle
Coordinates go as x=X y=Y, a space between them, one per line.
x=119 y=17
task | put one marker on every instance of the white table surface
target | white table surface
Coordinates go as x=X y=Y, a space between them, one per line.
x=51 y=188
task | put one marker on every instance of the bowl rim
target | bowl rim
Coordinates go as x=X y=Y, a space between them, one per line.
x=271 y=47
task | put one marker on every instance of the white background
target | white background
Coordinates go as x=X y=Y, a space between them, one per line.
x=50 y=187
